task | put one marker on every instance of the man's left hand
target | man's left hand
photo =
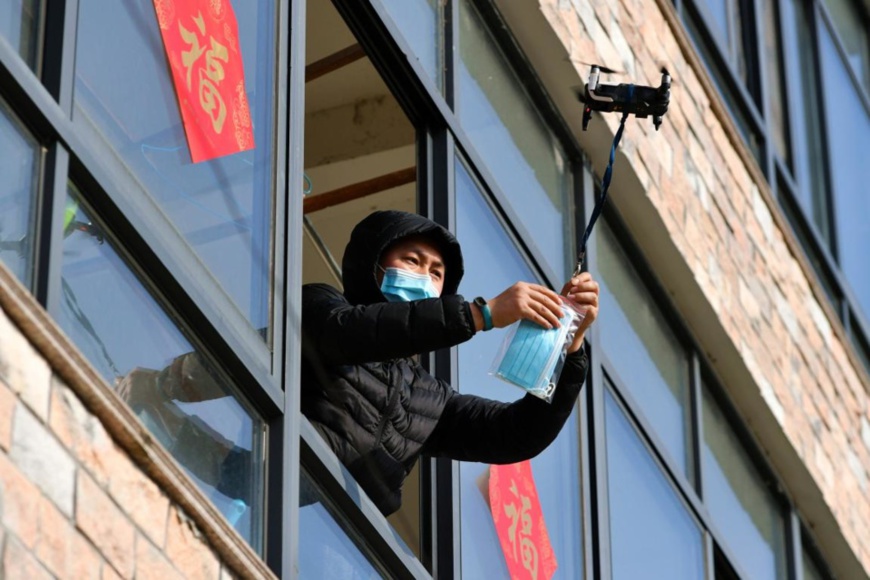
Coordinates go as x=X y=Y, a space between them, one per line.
x=583 y=291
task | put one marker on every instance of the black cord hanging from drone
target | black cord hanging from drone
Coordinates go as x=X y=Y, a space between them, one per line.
x=629 y=99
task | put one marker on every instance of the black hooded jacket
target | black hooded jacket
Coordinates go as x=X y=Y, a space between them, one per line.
x=375 y=404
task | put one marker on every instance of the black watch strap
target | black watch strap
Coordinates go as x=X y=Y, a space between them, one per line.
x=485 y=312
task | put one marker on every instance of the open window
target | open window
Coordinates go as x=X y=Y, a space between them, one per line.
x=360 y=156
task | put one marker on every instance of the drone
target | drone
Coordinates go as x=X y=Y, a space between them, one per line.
x=636 y=100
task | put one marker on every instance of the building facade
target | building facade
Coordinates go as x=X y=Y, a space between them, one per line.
x=150 y=327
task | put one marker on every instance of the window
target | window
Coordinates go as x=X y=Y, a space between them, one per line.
x=739 y=501
x=724 y=19
x=524 y=157
x=652 y=534
x=372 y=166
x=810 y=568
x=126 y=103
x=20 y=26
x=649 y=360
x=173 y=388
x=851 y=25
x=421 y=23
x=804 y=103
x=772 y=61
x=848 y=124
x=493 y=264
x=643 y=362
x=19 y=179
x=326 y=548
x=724 y=33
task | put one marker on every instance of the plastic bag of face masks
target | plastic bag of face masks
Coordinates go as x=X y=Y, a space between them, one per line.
x=531 y=356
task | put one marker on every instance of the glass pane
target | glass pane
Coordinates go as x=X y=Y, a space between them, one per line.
x=743 y=509
x=125 y=102
x=493 y=264
x=648 y=359
x=803 y=99
x=718 y=17
x=523 y=155
x=420 y=23
x=811 y=570
x=19 y=179
x=326 y=549
x=178 y=395
x=851 y=27
x=772 y=61
x=848 y=123
x=652 y=535
x=19 y=25
x=724 y=85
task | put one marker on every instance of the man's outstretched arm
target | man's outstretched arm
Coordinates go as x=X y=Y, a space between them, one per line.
x=473 y=428
x=347 y=334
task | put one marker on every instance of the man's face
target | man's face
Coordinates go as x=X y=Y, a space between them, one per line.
x=416 y=255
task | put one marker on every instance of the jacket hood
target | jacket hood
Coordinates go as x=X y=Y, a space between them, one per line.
x=374 y=234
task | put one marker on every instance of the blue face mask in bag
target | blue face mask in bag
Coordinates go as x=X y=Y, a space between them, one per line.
x=531 y=357
x=404 y=286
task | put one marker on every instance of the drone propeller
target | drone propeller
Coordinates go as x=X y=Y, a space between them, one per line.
x=600 y=67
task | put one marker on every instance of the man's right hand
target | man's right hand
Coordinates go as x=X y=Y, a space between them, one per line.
x=526 y=301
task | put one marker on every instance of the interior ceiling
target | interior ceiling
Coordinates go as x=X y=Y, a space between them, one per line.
x=327 y=34
x=354 y=131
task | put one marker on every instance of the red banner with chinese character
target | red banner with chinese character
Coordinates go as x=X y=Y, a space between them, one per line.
x=201 y=39
x=519 y=522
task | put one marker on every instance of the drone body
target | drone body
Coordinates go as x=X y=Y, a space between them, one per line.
x=636 y=100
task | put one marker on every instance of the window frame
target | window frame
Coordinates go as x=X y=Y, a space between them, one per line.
x=45 y=106
x=604 y=371
x=751 y=107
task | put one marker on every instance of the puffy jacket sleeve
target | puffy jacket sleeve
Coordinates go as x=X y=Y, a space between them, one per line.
x=473 y=428
x=341 y=333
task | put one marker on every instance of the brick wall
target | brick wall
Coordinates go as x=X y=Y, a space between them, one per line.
x=75 y=498
x=707 y=198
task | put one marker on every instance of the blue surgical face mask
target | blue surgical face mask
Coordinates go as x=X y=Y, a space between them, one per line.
x=403 y=286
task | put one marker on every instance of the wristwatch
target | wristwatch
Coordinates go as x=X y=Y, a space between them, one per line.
x=485 y=312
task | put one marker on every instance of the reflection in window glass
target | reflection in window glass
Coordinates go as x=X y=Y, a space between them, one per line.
x=772 y=62
x=648 y=359
x=420 y=23
x=19 y=166
x=522 y=154
x=803 y=100
x=493 y=264
x=742 y=507
x=718 y=17
x=851 y=27
x=652 y=534
x=325 y=548
x=125 y=99
x=848 y=123
x=19 y=25
x=173 y=390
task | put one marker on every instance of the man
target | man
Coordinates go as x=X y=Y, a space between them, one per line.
x=366 y=393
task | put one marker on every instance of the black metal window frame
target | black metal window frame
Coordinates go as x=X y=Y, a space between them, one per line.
x=748 y=108
x=797 y=535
